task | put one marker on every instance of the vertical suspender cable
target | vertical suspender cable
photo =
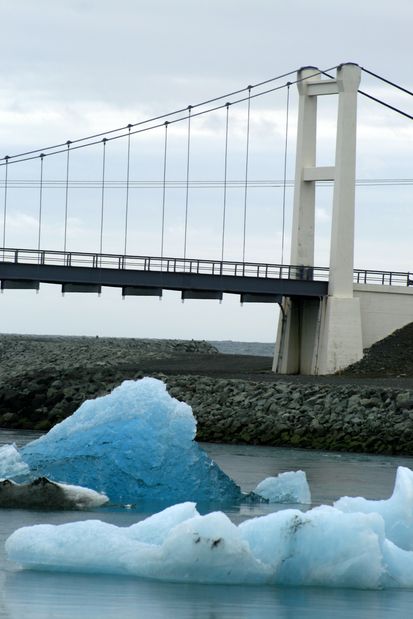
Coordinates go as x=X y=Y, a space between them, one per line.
x=246 y=174
x=127 y=195
x=164 y=187
x=102 y=194
x=42 y=156
x=225 y=182
x=68 y=143
x=6 y=180
x=285 y=172
x=188 y=152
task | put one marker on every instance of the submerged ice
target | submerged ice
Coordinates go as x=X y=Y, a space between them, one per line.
x=135 y=444
x=321 y=547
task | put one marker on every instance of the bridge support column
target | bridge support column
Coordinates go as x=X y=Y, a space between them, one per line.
x=322 y=337
x=297 y=337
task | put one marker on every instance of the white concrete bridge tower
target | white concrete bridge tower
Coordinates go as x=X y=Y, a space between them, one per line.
x=322 y=336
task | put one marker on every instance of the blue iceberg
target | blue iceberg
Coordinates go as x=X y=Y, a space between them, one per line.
x=135 y=444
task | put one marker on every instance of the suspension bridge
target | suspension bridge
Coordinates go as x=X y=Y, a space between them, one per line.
x=328 y=314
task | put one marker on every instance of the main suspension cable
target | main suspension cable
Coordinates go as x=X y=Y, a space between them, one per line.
x=376 y=99
x=23 y=156
x=383 y=79
x=391 y=107
x=156 y=118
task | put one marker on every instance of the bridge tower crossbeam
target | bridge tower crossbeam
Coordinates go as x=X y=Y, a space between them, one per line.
x=322 y=336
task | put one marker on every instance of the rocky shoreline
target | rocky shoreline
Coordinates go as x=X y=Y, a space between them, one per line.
x=235 y=399
x=312 y=416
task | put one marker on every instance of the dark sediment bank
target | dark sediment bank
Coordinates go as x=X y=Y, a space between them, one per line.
x=391 y=356
x=235 y=398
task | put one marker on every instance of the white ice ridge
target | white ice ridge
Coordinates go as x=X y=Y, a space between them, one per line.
x=289 y=487
x=397 y=511
x=321 y=547
x=11 y=463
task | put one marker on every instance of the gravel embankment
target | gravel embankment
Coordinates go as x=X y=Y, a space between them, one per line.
x=45 y=379
x=235 y=398
x=318 y=416
x=391 y=356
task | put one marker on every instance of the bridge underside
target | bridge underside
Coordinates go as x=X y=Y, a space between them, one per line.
x=146 y=283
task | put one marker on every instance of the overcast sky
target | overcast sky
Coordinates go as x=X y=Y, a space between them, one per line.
x=73 y=67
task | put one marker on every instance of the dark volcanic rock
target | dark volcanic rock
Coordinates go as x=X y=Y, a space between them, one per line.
x=43 y=379
x=236 y=399
x=392 y=356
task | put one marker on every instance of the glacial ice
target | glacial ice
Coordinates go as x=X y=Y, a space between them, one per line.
x=135 y=444
x=289 y=487
x=321 y=547
x=45 y=494
x=12 y=465
x=397 y=511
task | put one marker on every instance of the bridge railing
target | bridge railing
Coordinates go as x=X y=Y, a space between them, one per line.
x=383 y=278
x=195 y=266
x=162 y=264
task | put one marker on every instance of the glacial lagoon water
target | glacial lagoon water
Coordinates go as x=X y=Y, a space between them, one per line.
x=40 y=595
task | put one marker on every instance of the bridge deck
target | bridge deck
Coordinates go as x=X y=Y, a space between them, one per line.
x=145 y=275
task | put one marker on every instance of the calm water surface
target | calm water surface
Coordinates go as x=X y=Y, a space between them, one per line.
x=31 y=595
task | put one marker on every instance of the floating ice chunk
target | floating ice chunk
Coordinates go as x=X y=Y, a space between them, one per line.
x=290 y=487
x=154 y=530
x=323 y=547
x=203 y=549
x=209 y=549
x=12 y=465
x=45 y=494
x=397 y=511
x=135 y=444
x=83 y=498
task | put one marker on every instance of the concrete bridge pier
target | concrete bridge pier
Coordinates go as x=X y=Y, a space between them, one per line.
x=322 y=336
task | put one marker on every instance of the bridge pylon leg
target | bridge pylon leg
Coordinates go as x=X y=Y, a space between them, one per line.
x=323 y=336
x=298 y=336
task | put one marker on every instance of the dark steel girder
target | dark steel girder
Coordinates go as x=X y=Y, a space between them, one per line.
x=56 y=274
